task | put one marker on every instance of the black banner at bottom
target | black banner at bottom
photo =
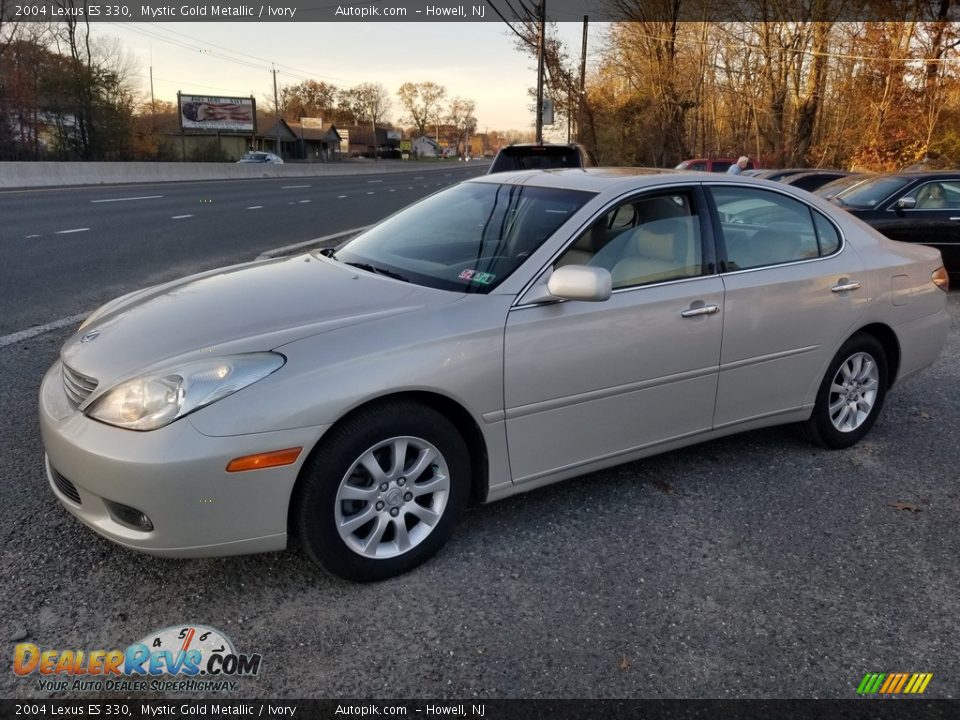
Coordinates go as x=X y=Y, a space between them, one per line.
x=887 y=709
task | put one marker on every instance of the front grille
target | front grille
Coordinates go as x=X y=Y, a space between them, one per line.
x=78 y=387
x=65 y=486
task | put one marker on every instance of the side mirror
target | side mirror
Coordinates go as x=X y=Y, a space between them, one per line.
x=573 y=282
x=906 y=203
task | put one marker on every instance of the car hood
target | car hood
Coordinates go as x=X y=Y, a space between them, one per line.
x=253 y=307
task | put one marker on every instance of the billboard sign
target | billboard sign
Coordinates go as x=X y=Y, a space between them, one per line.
x=200 y=112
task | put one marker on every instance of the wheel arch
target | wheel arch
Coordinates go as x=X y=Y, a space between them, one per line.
x=887 y=338
x=453 y=411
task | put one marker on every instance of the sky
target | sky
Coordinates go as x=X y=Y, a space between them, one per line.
x=477 y=61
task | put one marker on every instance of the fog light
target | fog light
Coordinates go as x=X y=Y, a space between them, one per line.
x=131 y=517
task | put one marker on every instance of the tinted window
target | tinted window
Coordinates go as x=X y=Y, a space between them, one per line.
x=870 y=193
x=936 y=195
x=535 y=158
x=722 y=165
x=646 y=240
x=764 y=228
x=468 y=238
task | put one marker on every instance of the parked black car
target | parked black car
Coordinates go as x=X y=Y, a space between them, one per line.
x=814 y=179
x=541 y=157
x=835 y=187
x=921 y=207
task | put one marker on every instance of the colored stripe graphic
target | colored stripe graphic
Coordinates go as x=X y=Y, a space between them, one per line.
x=894 y=683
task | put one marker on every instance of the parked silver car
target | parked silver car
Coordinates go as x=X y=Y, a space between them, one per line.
x=506 y=333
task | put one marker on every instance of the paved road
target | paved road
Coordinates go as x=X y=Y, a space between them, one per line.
x=64 y=251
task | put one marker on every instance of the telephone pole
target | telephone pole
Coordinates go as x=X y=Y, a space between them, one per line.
x=276 y=110
x=541 y=58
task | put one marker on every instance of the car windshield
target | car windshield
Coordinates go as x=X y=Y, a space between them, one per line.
x=870 y=193
x=835 y=187
x=256 y=157
x=468 y=238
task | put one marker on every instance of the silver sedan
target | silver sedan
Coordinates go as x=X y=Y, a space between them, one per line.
x=506 y=333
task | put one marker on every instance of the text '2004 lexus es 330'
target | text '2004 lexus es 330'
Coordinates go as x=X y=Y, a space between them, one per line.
x=505 y=333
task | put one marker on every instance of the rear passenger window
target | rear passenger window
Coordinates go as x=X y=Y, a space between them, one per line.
x=762 y=228
x=827 y=236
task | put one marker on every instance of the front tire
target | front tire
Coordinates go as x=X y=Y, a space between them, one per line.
x=851 y=394
x=382 y=492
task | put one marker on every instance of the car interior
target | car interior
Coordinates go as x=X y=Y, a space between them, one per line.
x=651 y=240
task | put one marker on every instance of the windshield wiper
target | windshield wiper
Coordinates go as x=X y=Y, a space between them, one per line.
x=378 y=270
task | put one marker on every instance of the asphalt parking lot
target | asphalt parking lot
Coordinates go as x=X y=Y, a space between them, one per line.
x=753 y=566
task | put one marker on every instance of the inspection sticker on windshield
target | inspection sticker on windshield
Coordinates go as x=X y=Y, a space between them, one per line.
x=481 y=278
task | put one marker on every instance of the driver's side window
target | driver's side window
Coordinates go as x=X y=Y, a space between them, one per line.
x=936 y=195
x=650 y=239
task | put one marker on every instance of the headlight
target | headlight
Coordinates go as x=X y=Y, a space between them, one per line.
x=157 y=399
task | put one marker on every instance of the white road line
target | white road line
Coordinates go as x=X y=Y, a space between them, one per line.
x=340 y=197
x=180 y=217
x=303 y=201
x=293 y=187
x=142 y=197
x=31 y=236
x=41 y=329
x=67 y=232
x=255 y=207
x=420 y=177
x=374 y=181
x=393 y=189
x=370 y=192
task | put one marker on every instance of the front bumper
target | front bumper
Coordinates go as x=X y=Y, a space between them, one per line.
x=175 y=475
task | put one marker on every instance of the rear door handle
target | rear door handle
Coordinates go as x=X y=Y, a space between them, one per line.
x=955 y=218
x=697 y=311
x=845 y=286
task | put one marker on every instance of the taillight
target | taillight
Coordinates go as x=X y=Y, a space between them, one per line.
x=940 y=278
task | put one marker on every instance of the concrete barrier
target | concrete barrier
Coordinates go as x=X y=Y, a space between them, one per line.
x=58 y=174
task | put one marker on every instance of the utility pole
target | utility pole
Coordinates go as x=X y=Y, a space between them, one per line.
x=583 y=73
x=276 y=109
x=541 y=58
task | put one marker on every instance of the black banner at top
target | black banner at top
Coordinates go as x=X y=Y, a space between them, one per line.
x=473 y=709
x=479 y=10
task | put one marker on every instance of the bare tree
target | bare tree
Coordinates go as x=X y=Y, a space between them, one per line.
x=366 y=102
x=461 y=118
x=422 y=103
x=310 y=98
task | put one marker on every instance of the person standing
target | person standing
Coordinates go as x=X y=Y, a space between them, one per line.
x=739 y=166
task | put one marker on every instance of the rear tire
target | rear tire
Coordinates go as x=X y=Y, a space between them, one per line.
x=382 y=492
x=851 y=394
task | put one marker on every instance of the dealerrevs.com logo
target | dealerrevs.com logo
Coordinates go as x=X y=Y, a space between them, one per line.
x=183 y=658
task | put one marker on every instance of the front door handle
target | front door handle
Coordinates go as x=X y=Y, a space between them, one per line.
x=955 y=218
x=702 y=310
x=845 y=286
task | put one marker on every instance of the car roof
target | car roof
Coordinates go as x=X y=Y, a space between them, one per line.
x=587 y=179
x=619 y=179
x=516 y=146
x=924 y=174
